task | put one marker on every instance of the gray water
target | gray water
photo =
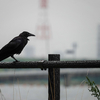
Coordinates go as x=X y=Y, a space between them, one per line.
x=40 y=92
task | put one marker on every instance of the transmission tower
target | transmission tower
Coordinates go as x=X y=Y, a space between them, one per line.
x=43 y=28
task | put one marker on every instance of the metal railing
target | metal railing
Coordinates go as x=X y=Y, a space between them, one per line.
x=53 y=64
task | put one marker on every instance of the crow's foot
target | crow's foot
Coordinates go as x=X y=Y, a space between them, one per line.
x=16 y=61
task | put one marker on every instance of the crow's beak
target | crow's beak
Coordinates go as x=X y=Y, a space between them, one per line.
x=31 y=34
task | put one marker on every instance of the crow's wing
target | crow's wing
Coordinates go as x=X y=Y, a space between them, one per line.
x=10 y=48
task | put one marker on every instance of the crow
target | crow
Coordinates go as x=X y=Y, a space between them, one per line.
x=15 y=46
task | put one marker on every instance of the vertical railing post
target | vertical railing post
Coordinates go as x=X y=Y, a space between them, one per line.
x=54 y=79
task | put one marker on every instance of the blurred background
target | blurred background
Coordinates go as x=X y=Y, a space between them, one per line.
x=70 y=28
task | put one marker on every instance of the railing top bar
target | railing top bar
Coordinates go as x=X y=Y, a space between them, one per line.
x=54 y=64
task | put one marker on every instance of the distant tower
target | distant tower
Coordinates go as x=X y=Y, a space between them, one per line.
x=43 y=28
x=98 y=43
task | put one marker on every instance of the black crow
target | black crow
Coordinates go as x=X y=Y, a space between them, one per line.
x=15 y=46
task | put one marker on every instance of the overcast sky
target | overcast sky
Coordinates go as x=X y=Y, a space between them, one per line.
x=70 y=21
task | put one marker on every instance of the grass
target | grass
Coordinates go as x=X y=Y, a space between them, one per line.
x=93 y=88
x=2 y=96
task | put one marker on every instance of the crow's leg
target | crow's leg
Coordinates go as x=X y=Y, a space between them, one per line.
x=14 y=58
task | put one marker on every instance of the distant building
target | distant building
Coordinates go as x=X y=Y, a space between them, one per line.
x=73 y=50
x=98 y=43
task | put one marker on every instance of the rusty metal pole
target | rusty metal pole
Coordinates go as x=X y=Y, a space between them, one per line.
x=54 y=79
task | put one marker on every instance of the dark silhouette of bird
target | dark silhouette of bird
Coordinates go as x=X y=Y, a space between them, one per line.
x=15 y=46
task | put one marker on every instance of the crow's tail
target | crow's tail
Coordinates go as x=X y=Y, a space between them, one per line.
x=3 y=56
